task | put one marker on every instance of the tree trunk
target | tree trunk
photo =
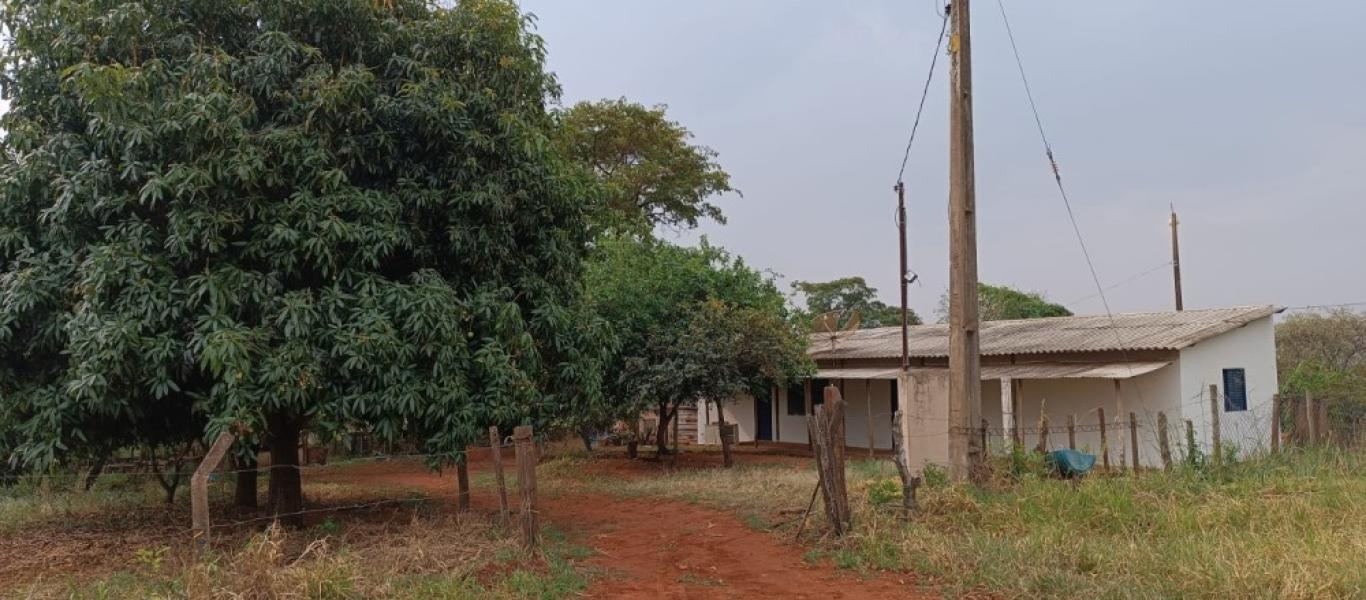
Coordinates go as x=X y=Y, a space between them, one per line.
x=662 y=431
x=462 y=484
x=95 y=471
x=725 y=439
x=244 y=493
x=286 y=485
x=586 y=434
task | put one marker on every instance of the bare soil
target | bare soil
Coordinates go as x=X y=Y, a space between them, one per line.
x=644 y=548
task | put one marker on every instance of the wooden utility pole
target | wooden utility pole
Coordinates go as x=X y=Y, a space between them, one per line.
x=901 y=426
x=1176 y=260
x=965 y=385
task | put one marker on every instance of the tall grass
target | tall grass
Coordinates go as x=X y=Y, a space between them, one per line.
x=1287 y=526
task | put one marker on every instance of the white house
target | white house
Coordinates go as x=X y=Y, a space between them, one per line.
x=1066 y=367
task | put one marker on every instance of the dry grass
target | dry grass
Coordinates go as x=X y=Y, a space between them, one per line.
x=1292 y=526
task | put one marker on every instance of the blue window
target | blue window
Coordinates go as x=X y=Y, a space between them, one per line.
x=1235 y=390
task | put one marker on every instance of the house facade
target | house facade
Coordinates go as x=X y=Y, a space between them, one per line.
x=1091 y=372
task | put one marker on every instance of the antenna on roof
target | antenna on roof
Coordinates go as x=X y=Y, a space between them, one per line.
x=828 y=324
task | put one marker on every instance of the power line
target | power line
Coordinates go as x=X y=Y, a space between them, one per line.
x=924 y=93
x=1062 y=193
x=1325 y=306
x=1127 y=281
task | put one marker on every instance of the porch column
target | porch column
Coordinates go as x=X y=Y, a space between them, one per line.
x=1008 y=411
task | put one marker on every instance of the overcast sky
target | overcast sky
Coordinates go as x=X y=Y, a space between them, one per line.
x=1249 y=117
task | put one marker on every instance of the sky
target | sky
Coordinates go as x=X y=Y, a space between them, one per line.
x=1248 y=117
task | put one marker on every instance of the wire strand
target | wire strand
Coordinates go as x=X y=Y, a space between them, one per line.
x=924 y=93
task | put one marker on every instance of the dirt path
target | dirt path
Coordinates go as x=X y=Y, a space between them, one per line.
x=666 y=549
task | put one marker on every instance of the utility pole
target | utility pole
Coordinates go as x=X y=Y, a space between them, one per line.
x=901 y=433
x=965 y=384
x=905 y=312
x=1176 y=260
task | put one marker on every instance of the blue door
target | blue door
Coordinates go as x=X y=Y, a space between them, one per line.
x=763 y=415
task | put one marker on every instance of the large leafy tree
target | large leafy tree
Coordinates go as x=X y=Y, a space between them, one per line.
x=653 y=173
x=694 y=324
x=1000 y=302
x=279 y=214
x=849 y=295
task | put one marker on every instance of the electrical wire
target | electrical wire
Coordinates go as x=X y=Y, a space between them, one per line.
x=924 y=93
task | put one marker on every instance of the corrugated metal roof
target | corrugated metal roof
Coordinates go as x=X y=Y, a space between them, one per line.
x=1042 y=370
x=1170 y=330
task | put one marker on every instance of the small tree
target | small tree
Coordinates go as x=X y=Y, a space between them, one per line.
x=999 y=303
x=850 y=294
x=652 y=172
x=668 y=306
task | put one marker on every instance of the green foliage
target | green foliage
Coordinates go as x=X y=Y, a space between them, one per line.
x=1325 y=354
x=1000 y=303
x=849 y=294
x=340 y=213
x=883 y=492
x=692 y=323
x=652 y=172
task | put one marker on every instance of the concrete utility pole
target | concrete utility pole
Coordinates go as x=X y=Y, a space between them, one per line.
x=1176 y=260
x=965 y=384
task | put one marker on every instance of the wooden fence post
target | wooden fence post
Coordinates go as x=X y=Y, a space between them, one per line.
x=1163 y=444
x=1310 y=418
x=1072 y=431
x=1275 y=423
x=526 y=484
x=1133 y=440
x=1104 y=441
x=985 y=425
x=909 y=482
x=1217 y=447
x=496 y=455
x=199 y=488
x=828 y=427
x=1190 y=442
x=1043 y=432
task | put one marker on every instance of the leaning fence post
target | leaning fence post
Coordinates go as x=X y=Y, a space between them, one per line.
x=1275 y=423
x=1043 y=432
x=1133 y=440
x=1072 y=431
x=199 y=488
x=829 y=440
x=1310 y=417
x=1104 y=441
x=1216 y=447
x=526 y=483
x=496 y=448
x=1163 y=444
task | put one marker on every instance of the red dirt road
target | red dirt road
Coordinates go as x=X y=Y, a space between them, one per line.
x=665 y=549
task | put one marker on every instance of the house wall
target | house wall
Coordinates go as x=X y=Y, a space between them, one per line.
x=789 y=428
x=1144 y=395
x=1252 y=348
x=739 y=411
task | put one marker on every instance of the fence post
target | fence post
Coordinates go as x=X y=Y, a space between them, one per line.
x=1072 y=431
x=1275 y=423
x=1214 y=432
x=1310 y=417
x=496 y=450
x=1043 y=432
x=1133 y=440
x=868 y=404
x=199 y=488
x=828 y=426
x=985 y=425
x=1163 y=445
x=909 y=482
x=1104 y=441
x=526 y=483
x=1190 y=442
